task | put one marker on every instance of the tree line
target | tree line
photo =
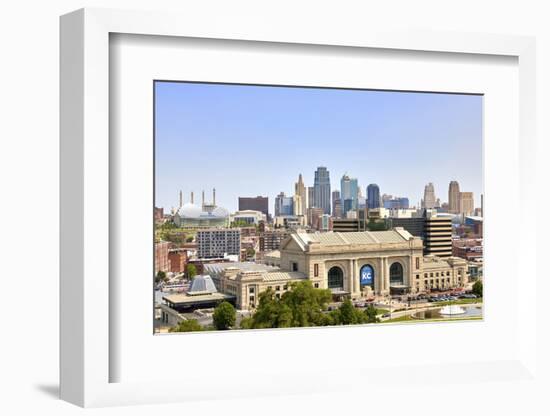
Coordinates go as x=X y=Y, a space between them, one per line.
x=301 y=306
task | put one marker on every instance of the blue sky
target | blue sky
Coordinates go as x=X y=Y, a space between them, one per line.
x=255 y=140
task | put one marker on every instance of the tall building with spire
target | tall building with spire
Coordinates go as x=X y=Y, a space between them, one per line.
x=428 y=202
x=454 y=197
x=321 y=189
x=300 y=197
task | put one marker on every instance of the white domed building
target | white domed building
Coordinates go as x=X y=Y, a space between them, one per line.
x=191 y=215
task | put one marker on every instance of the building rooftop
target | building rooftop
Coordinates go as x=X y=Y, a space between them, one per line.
x=278 y=276
x=190 y=210
x=434 y=262
x=396 y=235
x=217 y=268
x=182 y=298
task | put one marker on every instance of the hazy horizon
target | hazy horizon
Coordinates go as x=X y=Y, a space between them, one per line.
x=255 y=140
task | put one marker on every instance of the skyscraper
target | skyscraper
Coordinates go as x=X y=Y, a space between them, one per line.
x=300 y=190
x=373 y=196
x=297 y=204
x=336 y=204
x=454 y=197
x=466 y=205
x=284 y=205
x=429 y=196
x=321 y=189
x=310 y=199
x=350 y=193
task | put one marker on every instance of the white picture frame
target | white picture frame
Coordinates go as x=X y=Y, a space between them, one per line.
x=87 y=356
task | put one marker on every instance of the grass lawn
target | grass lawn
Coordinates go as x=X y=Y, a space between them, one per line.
x=459 y=302
x=401 y=319
x=381 y=311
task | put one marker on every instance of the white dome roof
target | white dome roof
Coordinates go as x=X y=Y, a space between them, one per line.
x=220 y=212
x=190 y=210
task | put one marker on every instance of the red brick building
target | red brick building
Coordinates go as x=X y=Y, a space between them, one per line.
x=468 y=248
x=161 y=257
x=178 y=260
x=159 y=214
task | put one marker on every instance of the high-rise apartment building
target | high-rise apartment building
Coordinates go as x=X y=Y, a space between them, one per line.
x=321 y=189
x=216 y=242
x=435 y=231
x=454 y=197
x=349 y=194
x=259 y=203
x=271 y=239
x=438 y=236
x=301 y=191
x=428 y=201
x=373 y=196
x=466 y=205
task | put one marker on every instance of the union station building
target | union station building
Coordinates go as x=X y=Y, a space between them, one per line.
x=357 y=265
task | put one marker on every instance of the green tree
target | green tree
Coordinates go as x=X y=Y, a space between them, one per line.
x=334 y=317
x=224 y=316
x=370 y=314
x=302 y=305
x=477 y=288
x=188 y=325
x=246 y=323
x=191 y=271
x=350 y=315
x=190 y=239
x=347 y=313
x=250 y=252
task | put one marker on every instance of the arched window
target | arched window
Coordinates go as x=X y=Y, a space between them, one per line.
x=335 y=278
x=396 y=274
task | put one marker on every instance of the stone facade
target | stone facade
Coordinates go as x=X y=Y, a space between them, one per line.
x=246 y=285
x=334 y=261
x=316 y=254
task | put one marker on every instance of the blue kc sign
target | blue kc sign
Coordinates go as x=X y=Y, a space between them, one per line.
x=366 y=275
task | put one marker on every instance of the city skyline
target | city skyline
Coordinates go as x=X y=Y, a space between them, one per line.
x=247 y=141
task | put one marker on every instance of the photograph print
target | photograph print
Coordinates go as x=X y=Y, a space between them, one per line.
x=288 y=206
